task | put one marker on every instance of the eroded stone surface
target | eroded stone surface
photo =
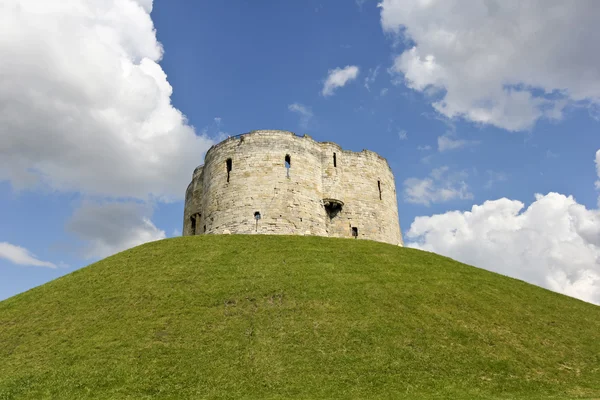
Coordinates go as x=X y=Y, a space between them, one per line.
x=303 y=199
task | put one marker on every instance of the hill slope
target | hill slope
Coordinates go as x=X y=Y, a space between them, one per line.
x=293 y=317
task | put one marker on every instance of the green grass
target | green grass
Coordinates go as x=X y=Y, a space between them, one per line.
x=266 y=317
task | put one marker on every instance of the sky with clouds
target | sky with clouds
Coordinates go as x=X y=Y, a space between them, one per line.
x=488 y=114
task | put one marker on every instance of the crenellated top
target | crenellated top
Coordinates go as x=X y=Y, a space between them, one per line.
x=241 y=136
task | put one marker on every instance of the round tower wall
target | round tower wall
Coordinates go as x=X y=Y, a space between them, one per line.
x=288 y=200
x=223 y=198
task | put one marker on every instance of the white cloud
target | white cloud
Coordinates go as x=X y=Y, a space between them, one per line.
x=424 y=148
x=494 y=177
x=371 y=76
x=108 y=228
x=21 y=256
x=447 y=142
x=504 y=63
x=306 y=114
x=383 y=92
x=402 y=135
x=84 y=104
x=554 y=243
x=339 y=77
x=440 y=186
x=598 y=173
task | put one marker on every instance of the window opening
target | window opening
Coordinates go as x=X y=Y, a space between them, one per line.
x=288 y=164
x=204 y=228
x=256 y=217
x=355 y=232
x=229 y=162
x=334 y=161
x=379 y=187
x=332 y=207
x=193 y=220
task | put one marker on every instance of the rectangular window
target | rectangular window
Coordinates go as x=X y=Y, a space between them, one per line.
x=355 y=231
x=334 y=161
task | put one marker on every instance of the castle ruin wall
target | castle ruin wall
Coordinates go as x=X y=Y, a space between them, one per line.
x=297 y=185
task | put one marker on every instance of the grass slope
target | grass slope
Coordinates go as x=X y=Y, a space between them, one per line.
x=294 y=317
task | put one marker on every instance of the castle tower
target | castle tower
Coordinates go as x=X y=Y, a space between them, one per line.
x=275 y=182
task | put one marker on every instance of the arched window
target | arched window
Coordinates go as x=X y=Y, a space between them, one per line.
x=229 y=165
x=288 y=163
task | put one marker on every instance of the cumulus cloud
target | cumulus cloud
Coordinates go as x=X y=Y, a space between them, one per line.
x=505 y=63
x=21 y=256
x=554 y=243
x=84 y=104
x=440 y=186
x=448 y=142
x=111 y=227
x=371 y=76
x=305 y=113
x=339 y=77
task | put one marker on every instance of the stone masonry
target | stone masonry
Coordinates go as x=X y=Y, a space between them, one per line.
x=278 y=183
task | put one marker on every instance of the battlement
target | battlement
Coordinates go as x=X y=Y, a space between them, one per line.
x=276 y=182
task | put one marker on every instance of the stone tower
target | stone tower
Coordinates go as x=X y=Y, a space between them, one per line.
x=275 y=182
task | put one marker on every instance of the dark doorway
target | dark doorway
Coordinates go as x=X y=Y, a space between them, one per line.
x=193 y=229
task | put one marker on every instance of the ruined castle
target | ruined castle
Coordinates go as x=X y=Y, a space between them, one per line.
x=275 y=182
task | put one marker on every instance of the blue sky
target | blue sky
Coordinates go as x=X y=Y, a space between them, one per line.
x=94 y=158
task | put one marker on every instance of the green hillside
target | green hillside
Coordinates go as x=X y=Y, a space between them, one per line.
x=268 y=317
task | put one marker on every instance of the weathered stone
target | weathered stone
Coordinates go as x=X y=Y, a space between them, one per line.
x=248 y=174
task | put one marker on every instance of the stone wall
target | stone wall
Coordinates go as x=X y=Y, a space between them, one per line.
x=247 y=174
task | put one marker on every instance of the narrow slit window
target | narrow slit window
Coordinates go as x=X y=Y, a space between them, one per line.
x=288 y=163
x=379 y=187
x=256 y=217
x=193 y=220
x=354 y=231
x=334 y=161
x=204 y=228
x=229 y=164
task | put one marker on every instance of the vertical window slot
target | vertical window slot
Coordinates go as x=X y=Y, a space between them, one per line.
x=288 y=164
x=229 y=166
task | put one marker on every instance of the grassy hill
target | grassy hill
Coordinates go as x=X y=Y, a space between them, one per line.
x=268 y=317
